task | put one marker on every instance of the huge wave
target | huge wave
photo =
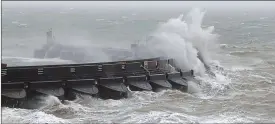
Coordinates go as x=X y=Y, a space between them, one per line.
x=182 y=39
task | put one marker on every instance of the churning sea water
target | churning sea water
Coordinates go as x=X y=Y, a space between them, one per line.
x=241 y=41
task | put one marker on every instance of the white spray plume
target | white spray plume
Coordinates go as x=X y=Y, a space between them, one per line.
x=183 y=39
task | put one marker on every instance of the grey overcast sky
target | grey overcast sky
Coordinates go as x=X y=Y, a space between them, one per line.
x=135 y=4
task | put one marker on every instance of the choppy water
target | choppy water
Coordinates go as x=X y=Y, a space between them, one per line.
x=243 y=92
